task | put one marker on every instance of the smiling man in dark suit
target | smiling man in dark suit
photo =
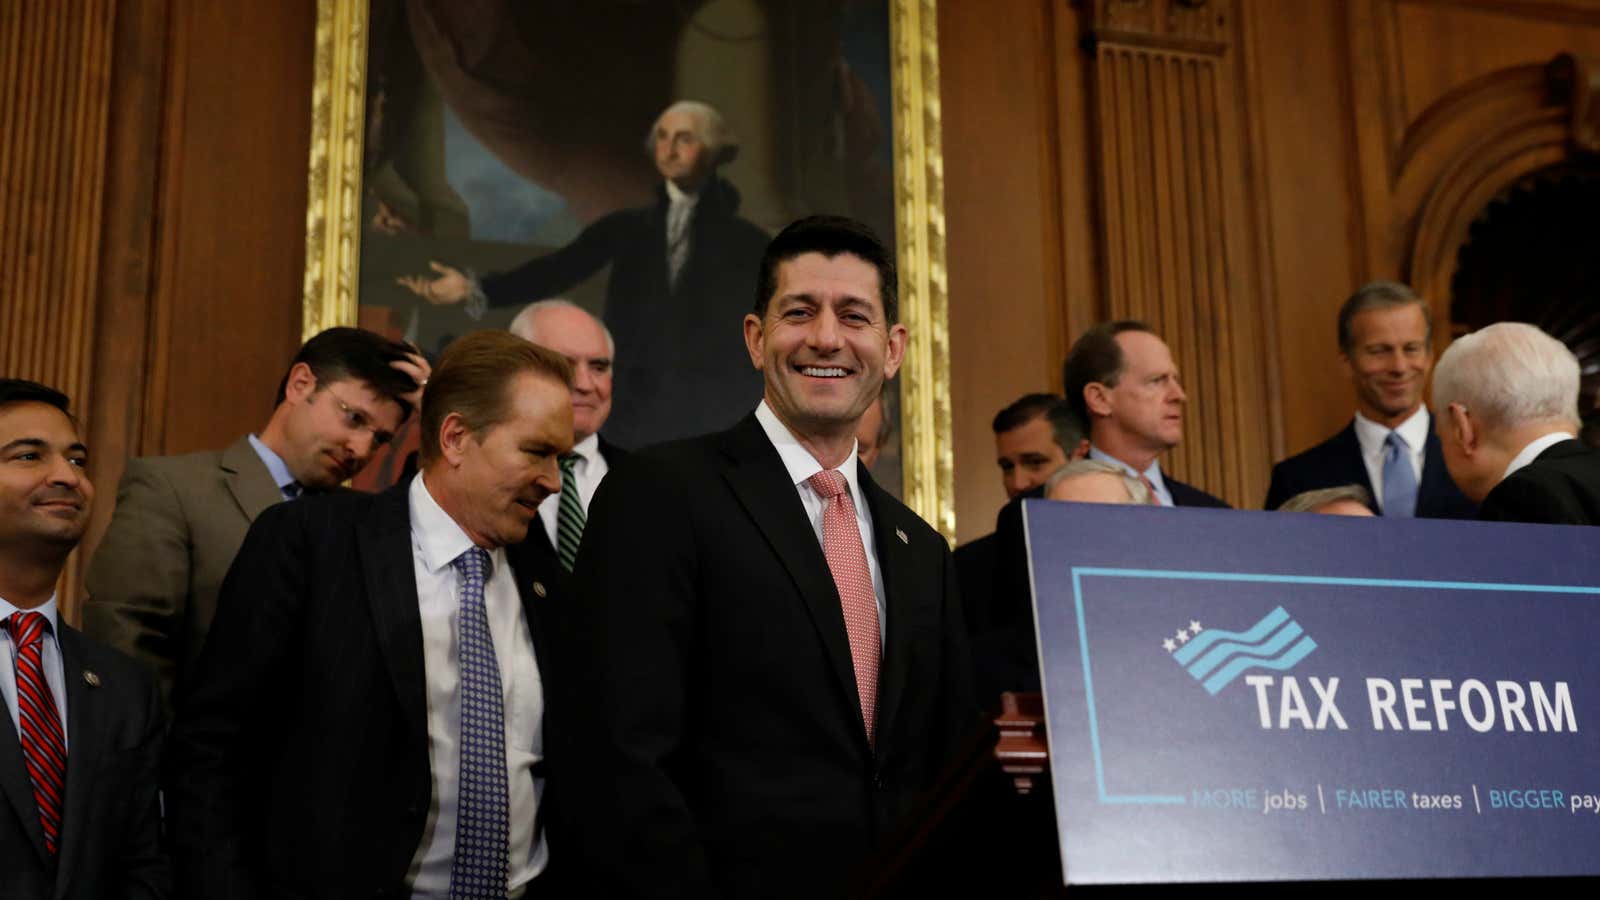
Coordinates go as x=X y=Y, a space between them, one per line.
x=1389 y=448
x=368 y=715
x=1507 y=403
x=776 y=644
x=80 y=737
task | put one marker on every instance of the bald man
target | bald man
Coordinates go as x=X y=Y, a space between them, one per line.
x=571 y=331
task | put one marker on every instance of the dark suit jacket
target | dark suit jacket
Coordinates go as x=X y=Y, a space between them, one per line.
x=1560 y=487
x=299 y=761
x=730 y=756
x=1186 y=495
x=538 y=538
x=1337 y=461
x=154 y=579
x=681 y=367
x=110 y=826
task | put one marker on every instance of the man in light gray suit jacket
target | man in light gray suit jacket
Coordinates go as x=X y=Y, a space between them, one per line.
x=180 y=520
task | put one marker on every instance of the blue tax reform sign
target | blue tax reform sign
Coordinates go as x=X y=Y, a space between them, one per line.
x=1243 y=696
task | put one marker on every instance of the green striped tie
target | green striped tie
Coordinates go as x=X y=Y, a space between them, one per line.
x=569 y=523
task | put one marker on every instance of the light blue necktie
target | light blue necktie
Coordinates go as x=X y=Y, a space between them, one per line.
x=1399 y=478
x=482 y=858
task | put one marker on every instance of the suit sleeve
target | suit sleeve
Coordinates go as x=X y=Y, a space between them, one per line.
x=1529 y=499
x=222 y=740
x=138 y=581
x=148 y=873
x=961 y=706
x=636 y=602
x=553 y=273
x=1278 y=490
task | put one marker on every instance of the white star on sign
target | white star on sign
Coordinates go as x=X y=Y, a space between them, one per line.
x=1182 y=636
x=1194 y=626
x=1169 y=645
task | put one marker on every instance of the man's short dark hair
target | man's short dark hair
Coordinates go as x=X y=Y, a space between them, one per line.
x=355 y=354
x=1022 y=411
x=1067 y=427
x=1379 y=295
x=1096 y=357
x=21 y=390
x=829 y=236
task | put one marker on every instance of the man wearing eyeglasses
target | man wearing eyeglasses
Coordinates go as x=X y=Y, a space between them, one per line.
x=179 y=520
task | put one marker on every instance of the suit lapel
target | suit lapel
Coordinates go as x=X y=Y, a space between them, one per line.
x=384 y=543
x=896 y=564
x=248 y=480
x=1353 y=466
x=84 y=741
x=15 y=784
x=761 y=483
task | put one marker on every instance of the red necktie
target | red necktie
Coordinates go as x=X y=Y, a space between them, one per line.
x=44 y=745
x=1153 y=500
x=847 y=559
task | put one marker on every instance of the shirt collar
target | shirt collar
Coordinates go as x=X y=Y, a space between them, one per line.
x=587 y=449
x=1152 y=474
x=48 y=610
x=275 y=465
x=1414 y=430
x=677 y=195
x=437 y=535
x=1535 y=447
x=797 y=459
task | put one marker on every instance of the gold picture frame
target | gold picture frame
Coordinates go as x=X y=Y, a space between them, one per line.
x=333 y=220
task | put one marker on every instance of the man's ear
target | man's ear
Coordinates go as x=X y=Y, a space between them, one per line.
x=754 y=339
x=1464 y=431
x=1098 y=398
x=300 y=384
x=896 y=351
x=453 y=438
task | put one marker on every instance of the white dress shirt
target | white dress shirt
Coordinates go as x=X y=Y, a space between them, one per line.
x=1535 y=447
x=1152 y=474
x=1371 y=436
x=588 y=471
x=801 y=466
x=436 y=541
x=680 y=211
x=49 y=657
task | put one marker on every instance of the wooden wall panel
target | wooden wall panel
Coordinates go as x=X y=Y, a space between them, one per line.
x=1004 y=232
x=55 y=61
x=1300 y=91
x=1179 y=232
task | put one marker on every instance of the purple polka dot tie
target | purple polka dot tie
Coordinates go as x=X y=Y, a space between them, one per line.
x=847 y=560
x=482 y=862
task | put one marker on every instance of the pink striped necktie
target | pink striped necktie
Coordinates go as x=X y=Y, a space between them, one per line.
x=847 y=559
x=44 y=744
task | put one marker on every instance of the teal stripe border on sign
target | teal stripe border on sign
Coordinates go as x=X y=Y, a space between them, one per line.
x=1078 y=573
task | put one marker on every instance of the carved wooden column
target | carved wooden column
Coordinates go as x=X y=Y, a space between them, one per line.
x=55 y=62
x=1178 y=223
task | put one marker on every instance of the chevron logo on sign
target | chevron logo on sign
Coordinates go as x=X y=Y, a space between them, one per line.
x=1215 y=658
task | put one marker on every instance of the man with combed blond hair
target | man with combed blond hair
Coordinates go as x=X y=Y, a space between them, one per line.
x=1506 y=400
x=1093 y=481
x=1344 y=500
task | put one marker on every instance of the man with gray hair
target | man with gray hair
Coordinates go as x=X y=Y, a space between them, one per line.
x=1386 y=349
x=680 y=273
x=571 y=331
x=1506 y=399
x=1094 y=481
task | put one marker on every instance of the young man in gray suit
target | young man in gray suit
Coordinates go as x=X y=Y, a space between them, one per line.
x=179 y=520
x=80 y=732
